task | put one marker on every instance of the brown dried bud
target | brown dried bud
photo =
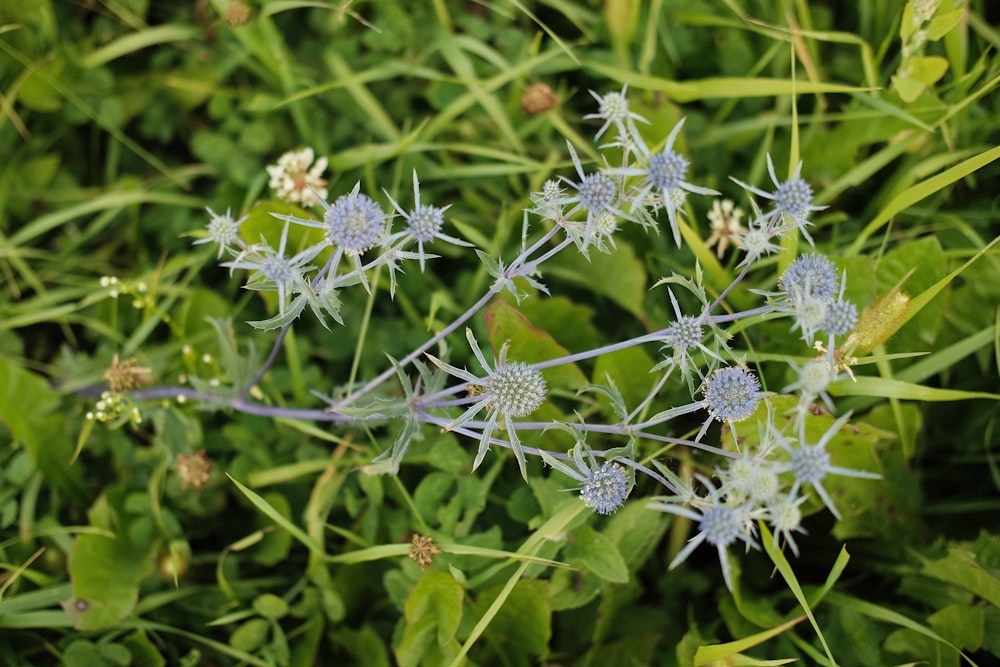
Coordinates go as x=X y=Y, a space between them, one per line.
x=538 y=98
x=125 y=375
x=237 y=14
x=423 y=550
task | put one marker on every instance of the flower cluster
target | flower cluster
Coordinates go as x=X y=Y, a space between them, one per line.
x=585 y=210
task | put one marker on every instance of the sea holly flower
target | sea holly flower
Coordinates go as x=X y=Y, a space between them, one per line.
x=270 y=269
x=756 y=241
x=296 y=179
x=683 y=338
x=813 y=276
x=792 y=201
x=664 y=174
x=511 y=389
x=613 y=110
x=810 y=463
x=596 y=194
x=785 y=516
x=732 y=394
x=424 y=223
x=353 y=224
x=603 y=486
x=719 y=524
x=223 y=230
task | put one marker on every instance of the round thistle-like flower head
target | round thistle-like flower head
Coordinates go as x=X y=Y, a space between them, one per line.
x=684 y=334
x=425 y=222
x=605 y=224
x=667 y=170
x=597 y=192
x=613 y=106
x=354 y=222
x=721 y=525
x=222 y=229
x=551 y=190
x=810 y=463
x=732 y=394
x=811 y=275
x=516 y=389
x=793 y=198
x=841 y=316
x=815 y=377
x=606 y=489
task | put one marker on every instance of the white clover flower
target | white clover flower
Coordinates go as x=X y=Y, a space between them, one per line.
x=296 y=179
x=223 y=230
x=726 y=227
x=510 y=389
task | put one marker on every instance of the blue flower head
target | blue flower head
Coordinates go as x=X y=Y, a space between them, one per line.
x=792 y=201
x=811 y=275
x=354 y=222
x=719 y=523
x=424 y=223
x=603 y=487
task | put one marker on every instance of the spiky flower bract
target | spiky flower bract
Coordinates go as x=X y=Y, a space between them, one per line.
x=603 y=486
x=270 y=269
x=512 y=389
x=597 y=193
x=664 y=179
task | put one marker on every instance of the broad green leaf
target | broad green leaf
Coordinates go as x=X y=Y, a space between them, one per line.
x=523 y=626
x=29 y=409
x=433 y=612
x=106 y=573
x=618 y=275
x=591 y=551
x=960 y=568
x=276 y=544
x=963 y=625
x=530 y=344
x=635 y=532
